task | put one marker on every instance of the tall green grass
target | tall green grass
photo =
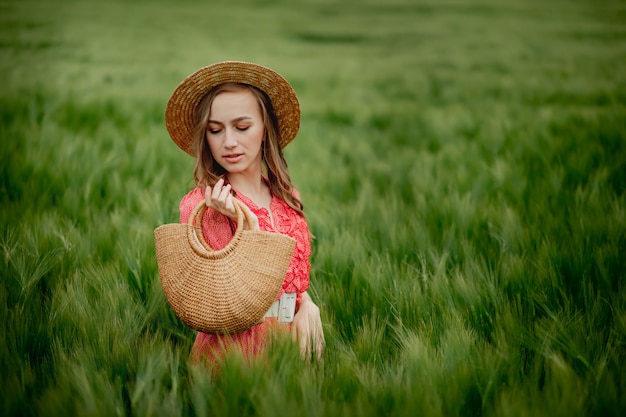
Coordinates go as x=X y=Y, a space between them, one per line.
x=462 y=166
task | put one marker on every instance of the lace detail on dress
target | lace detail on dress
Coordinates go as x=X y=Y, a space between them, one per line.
x=217 y=231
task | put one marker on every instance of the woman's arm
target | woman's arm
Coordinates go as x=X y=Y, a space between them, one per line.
x=307 y=329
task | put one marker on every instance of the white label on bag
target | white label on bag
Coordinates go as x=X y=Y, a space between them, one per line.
x=287 y=307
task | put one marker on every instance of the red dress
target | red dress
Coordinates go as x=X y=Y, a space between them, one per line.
x=217 y=231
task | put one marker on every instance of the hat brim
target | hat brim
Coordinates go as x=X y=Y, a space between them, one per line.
x=180 y=114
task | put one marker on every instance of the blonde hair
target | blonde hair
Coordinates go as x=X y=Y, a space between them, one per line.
x=207 y=171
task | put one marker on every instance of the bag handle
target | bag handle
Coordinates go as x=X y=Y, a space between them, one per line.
x=196 y=237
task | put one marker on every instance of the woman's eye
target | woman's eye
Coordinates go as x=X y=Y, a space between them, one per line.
x=243 y=128
x=214 y=131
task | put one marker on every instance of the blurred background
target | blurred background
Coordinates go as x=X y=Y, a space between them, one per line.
x=462 y=166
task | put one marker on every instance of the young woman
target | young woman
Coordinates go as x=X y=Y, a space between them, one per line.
x=235 y=118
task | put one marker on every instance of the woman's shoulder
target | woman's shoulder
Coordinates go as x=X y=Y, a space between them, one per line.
x=193 y=196
x=189 y=202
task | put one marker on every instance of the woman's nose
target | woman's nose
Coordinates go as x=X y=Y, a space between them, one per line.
x=230 y=140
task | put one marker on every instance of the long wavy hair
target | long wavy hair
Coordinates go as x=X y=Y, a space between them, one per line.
x=207 y=171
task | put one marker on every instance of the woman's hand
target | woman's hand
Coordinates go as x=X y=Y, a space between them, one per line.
x=220 y=198
x=307 y=330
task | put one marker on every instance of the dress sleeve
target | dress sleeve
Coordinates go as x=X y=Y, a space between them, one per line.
x=188 y=203
x=295 y=225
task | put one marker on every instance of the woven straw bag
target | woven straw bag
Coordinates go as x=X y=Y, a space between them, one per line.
x=221 y=291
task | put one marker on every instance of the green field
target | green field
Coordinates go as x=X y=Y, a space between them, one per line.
x=462 y=166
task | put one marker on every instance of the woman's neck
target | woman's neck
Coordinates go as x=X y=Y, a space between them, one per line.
x=253 y=187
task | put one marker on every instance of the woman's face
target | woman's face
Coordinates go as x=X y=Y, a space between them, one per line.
x=235 y=131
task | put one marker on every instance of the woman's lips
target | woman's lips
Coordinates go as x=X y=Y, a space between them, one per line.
x=233 y=158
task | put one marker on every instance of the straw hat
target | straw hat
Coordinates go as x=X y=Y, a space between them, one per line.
x=180 y=114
